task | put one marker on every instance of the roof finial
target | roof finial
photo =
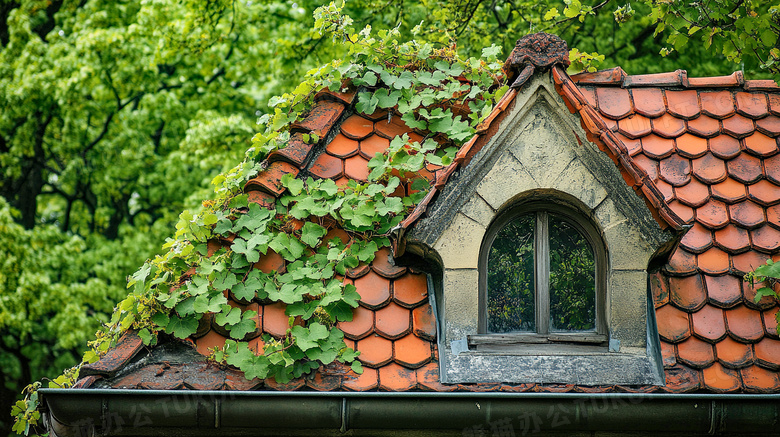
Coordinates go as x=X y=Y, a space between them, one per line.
x=537 y=51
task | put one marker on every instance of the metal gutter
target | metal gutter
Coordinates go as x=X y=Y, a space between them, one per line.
x=116 y=412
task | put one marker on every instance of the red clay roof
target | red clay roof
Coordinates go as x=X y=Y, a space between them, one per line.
x=700 y=151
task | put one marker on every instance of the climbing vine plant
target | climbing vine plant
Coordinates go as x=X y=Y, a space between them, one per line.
x=170 y=294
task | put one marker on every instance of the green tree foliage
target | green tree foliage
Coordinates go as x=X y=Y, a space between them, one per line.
x=117 y=114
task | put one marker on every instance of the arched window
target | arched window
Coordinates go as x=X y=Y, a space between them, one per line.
x=542 y=277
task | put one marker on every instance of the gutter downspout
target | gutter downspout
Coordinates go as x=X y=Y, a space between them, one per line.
x=116 y=412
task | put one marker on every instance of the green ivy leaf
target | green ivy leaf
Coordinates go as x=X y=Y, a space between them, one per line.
x=312 y=233
x=182 y=327
x=228 y=316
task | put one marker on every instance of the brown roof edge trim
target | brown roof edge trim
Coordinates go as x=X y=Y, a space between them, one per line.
x=594 y=125
x=613 y=76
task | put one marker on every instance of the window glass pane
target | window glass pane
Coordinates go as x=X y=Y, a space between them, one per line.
x=572 y=279
x=510 y=278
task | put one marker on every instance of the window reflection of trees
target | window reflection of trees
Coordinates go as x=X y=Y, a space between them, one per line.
x=572 y=279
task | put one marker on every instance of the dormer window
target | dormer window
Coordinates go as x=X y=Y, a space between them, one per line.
x=541 y=278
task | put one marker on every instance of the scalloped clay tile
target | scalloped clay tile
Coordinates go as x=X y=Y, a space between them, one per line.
x=721 y=379
x=342 y=147
x=357 y=127
x=688 y=292
x=747 y=214
x=374 y=290
x=684 y=212
x=295 y=151
x=368 y=380
x=681 y=379
x=657 y=147
x=734 y=354
x=749 y=296
x=321 y=118
x=745 y=168
x=675 y=170
x=718 y=104
x=648 y=102
x=373 y=145
x=770 y=321
x=423 y=322
x=760 y=145
x=356 y=168
x=709 y=323
x=412 y=352
x=723 y=291
x=615 y=103
x=768 y=353
x=729 y=191
x=772 y=169
x=382 y=264
x=738 y=126
x=695 y=353
x=773 y=215
x=694 y=193
x=673 y=324
x=704 y=126
x=683 y=104
x=410 y=290
x=270 y=179
x=713 y=215
x=709 y=169
x=714 y=261
x=744 y=324
x=681 y=262
x=725 y=147
x=275 y=321
x=650 y=166
x=375 y=351
x=361 y=325
x=764 y=193
x=270 y=262
x=391 y=129
x=697 y=239
x=691 y=146
x=760 y=380
x=660 y=288
x=393 y=377
x=634 y=126
x=753 y=105
x=733 y=238
x=393 y=321
x=766 y=238
x=748 y=261
x=327 y=167
x=769 y=126
x=668 y=354
x=668 y=126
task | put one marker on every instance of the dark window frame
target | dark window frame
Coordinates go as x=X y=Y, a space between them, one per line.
x=541 y=210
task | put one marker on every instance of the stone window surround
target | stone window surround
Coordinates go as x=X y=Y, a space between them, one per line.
x=560 y=164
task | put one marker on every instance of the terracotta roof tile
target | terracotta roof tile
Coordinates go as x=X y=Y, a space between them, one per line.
x=714 y=261
x=668 y=126
x=768 y=353
x=412 y=352
x=718 y=104
x=744 y=324
x=612 y=76
x=665 y=189
x=342 y=147
x=410 y=290
x=752 y=105
x=428 y=378
x=774 y=103
x=709 y=323
x=382 y=264
x=379 y=114
x=358 y=272
x=747 y=214
x=761 y=85
x=688 y=292
x=356 y=168
x=320 y=119
x=760 y=145
x=204 y=326
x=635 y=126
x=749 y=292
x=733 y=238
x=393 y=321
x=327 y=167
x=769 y=126
x=323 y=382
x=357 y=127
x=682 y=211
x=275 y=321
x=270 y=262
x=393 y=377
x=657 y=147
x=682 y=379
x=649 y=102
x=270 y=179
x=391 y=129
x=773 y=214
x=361 y=325
x=748 y=261
x=633 y=145
x=374 y=290
x=709 y=169
x=615 y=103
x=335 y=233
x=725 y=147
x=723 y=291
x=672 y=78
x=375 y=351
x=729 y=190
x=770 y=321
x=368 y=380
x=760 y=380
x=261 y=198
x=295 y=152
x=732 y=80
x=695 y=353
x=745 y=168
x=713 y=215
x=738 y=126
x=766 y=238
x=423 y=322
x=673 y=324
x=704 y=126
x=660 y=288
x=291 y=385
x=683 y=104
x=681 y=262
x=126 y=348
x=675 y=170
x=734 y=354
x=721 y=379
x=668 y=354
x=691 y=146
x=694 y=193
x=772 y=169
x=650 y=166
x=373 y=145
